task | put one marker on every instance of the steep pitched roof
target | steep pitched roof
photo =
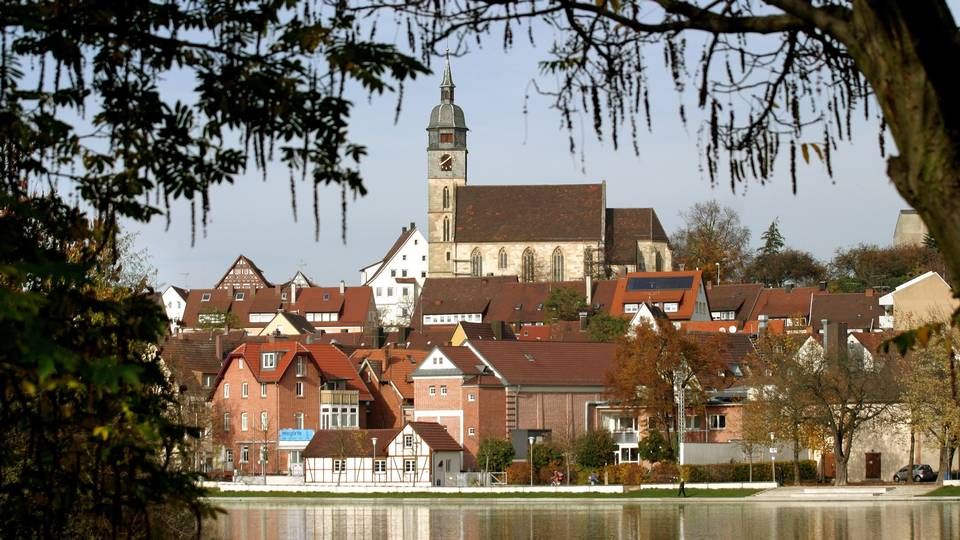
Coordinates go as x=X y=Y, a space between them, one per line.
x=873 y=341
x=558 y=331
x=436 y=436
x=627 y=225
x=733 y=351
x=444 y=296
x=654 y=288
x=396 y=365
x=784 y=303
x=738 y=297
x=296 y=321
x=195 y=354
x=858 y=310
x=549 y=362
x=516 y=302
x=529 y=213
x=336 y=443
x=405 y=234
x=244 y=261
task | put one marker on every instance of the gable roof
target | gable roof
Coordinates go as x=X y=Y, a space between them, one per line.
x=191 y=354
x=530 y=213
x=337 y=443
x=405 y=234
x=657 y=288
x=296 y=321
x=257 y=273
x=548 y=363
x=733 y=351
x=524 y=302
x=558 y=331
x=887 y=299
x=624 y=227
x=784 y=303
x=436 y=436
x=738 y=297
x=858 y=310
x=395 y=366
x=445 y=296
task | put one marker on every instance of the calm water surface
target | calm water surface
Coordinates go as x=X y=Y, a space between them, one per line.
x=928 y=520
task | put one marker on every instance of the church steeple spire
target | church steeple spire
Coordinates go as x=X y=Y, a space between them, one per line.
x=446 y=85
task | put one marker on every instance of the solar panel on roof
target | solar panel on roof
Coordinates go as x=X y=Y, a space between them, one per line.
x=659 y=283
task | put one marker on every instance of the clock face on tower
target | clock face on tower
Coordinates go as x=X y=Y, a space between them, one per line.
x=446 y=162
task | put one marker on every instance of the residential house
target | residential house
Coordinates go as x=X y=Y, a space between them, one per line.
x=861 y=312
x=732 y=303
x=174 y=300
x=499 y=388
x=285 y=323
x=268 y=396
x=497 y=330
x=398 y=277
x=386 y=373
x=419 y=454
x=680 y=295
x=243 y=274
x=786 y=308
x=924 y=298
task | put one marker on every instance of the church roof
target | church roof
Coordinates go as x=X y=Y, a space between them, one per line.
x=448 y=115
x=627 y=225
x=531 y=213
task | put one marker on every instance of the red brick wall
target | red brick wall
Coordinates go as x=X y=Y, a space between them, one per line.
x=558 y=411
x=386 y=410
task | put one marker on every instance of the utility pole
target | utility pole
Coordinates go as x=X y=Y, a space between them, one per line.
x=681 y=414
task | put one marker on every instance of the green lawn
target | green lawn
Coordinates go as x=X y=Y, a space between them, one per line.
x=945 y=491
x=638 y=494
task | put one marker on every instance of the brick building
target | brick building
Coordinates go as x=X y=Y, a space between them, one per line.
x=266 y=388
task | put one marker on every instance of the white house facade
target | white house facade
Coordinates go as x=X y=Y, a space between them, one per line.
x=174 y=303
x=397 y=279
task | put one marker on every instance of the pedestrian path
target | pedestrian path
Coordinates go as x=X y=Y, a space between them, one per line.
x=846 y=493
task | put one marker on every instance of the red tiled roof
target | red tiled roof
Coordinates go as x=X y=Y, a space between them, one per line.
x=524 y=302
x=558 y=331
x=685 y=298
x=738 y=297
x=873 y=341
x=784 y=303
x=711 y=326
x=351 y=307
x=445 y=296
x=858 y=310
x=548 y=362
x=395 y=368
x=337 y=443
x=463 y=358
x=334 y=364
x=625 y=226
x=521 y=213
x=436 y=436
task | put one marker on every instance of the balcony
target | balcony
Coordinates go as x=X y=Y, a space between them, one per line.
x=886 y=321
x=339 y=397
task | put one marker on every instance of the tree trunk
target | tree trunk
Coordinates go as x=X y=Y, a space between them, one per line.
x=944 y=464
x=908 y=51
x=913 y=456
x=796 y=463
x=841 y=458
x=750 y=467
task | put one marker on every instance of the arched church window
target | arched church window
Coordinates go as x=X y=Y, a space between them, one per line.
x=659 y=260
x=527 y=266
x=557 y=265
x=446 y=197
x=502 y=259
x=476 y=263
x=446 y=229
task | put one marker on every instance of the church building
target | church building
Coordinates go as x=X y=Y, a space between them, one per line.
x=559 y=232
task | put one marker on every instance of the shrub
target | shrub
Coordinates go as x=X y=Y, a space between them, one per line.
x=495 y=454
x=654 y=448
x=518 y=473
x=594 y=448
x=740 y=472
x=546 y=453
x=629 y=474
x=663 y=472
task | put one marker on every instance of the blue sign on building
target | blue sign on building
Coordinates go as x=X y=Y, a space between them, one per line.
x=296 y=435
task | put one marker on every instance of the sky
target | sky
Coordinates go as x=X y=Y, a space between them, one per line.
x=254 y=218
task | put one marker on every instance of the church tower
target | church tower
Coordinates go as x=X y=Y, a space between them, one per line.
x=446 y=171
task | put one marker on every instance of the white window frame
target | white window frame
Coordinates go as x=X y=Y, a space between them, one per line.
x=443 y=389
x=226 y=422
x=379 y=466
x=472 y=432
x=432 y=390
x=239 y=296
x=339 y=465
x=264 y=420
x=205 y=297
x=409 y=466
x=301 y=367
x=244 y=454
x=244 y=390
x=298 y=420
x=715 y=420
x=408 y=441
x=268 y=360
x=631 y=308
x=300 y=391
x=226 y=390
x=471 y=397
x=239 y=363
x=263 y=389
x=244 y=422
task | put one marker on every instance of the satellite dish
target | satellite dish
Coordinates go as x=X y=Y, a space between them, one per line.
x=732 y=329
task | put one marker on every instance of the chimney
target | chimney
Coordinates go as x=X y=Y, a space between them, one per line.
x=588 y=287
x=834 y=338
x=868 y=292
x=413 y=226
x=293 y=293
x=343 y=286
x=403 y=230
x=497 y=327
x=583 y=321
x=218 y=347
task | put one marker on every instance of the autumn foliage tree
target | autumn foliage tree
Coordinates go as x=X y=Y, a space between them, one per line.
x=652 y=365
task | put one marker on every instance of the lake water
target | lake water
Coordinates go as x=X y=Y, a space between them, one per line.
x=481 y=519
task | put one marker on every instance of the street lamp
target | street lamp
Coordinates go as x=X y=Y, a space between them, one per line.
x=773 y=458
x=374 y=464
x=718 y=273
x=530 y=456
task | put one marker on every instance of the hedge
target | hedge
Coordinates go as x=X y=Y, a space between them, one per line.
x=666 y=473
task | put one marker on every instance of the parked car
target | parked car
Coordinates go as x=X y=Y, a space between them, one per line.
x=921 y=473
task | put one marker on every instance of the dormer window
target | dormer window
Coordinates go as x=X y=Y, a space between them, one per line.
x=205 y=297
x=238 y=296
x=326 y=296
x=283 y=297
x=268 y=360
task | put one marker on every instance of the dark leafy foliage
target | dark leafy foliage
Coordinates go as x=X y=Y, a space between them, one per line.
x=495 y=454
x=863 y=266
x=779 y=267
x=564 y=304
x=595 y=448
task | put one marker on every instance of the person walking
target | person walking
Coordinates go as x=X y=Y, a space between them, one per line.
x=683 y=489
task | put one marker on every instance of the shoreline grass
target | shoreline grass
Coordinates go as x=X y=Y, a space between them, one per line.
x=692 y=493
x=943 y=491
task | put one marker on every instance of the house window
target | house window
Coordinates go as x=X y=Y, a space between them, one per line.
x=238 y=296
x=693 y=422
x=432 y=390
x=410 y=466
x=295 y=458
x=298 y=420
x=339 y=465
x=718 y=421
x=476 y=263
x=301 y=367
x=443 y=390
x=379 y=291
x=448 y=255
x=226 y=390
x=471 y=432
x=226 y=422
x=228 y=456
x=208 y=380
x=408 y=441
x=446 y=197
x=283 y=297
x=268 y=360
x=263 y=390
x=471 y=397
x=631 y=308
x=446 y=230
x=527 y=265
x=446 y=138
x=244 y=454
x=264 y=421
x=670 y=307
x=557 y=265
x=299 y=389
x=379 y=465
x=403 y=290
x=239 y=363
x=244 y=390
x=389 y=291
x=205 y=297
x=393 y=273
x=244 y=425
x=502 y=259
